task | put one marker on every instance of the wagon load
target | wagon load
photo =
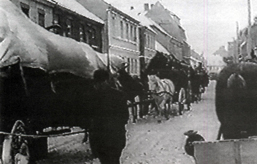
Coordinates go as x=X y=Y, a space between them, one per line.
x=45 y=79
x=22 y=39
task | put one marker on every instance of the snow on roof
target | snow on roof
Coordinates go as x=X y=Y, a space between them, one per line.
x=144 y=21
x=160 y=48
x=74 y=6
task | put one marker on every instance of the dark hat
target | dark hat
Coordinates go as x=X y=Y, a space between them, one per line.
x=190 y=132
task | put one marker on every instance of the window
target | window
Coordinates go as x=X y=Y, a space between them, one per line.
x=121 y=29
x=41 y=17
x=132 y=65
x=92 y=36
x=81 y=33
x=86 y=35
x=68 y=27
x=131 y=32
x=56 y=19
x=129 y=65
x=127 y=31
x=135 y=34
x=135 y=69
x=25 y=8
x=148 y=41
x=114 y=24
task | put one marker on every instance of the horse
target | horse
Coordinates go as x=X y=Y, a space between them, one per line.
x=162 y=91
x=236 y=94
x=135 y=92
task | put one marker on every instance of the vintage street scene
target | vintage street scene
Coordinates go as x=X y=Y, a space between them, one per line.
x=135 y=82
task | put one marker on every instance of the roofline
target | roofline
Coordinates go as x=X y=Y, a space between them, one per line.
x=110 y=8
x=45 y=2
x=71 y=11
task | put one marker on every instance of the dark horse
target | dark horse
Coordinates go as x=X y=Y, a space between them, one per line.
x=135 y=91
x=167 y=67
x=236 y=94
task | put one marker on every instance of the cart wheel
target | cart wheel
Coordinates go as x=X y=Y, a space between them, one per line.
x=181 y=100
x=15 y=148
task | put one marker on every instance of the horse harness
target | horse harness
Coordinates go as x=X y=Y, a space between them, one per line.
x=163 y=92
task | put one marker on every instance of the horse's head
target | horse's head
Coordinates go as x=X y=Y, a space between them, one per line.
x=153 y=83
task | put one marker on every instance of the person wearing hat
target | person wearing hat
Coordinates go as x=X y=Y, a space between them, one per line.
x=192 y=136
x=107 y=134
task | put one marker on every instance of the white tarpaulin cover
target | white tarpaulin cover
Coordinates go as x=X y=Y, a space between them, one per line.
x=20 y=38
x=116 y=62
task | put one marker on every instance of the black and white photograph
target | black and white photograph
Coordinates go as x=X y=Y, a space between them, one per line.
x=128 y=82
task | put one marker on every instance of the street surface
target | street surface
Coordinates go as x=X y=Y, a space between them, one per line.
x=148 y=141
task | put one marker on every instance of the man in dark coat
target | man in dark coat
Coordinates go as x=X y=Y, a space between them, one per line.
x=107 y=135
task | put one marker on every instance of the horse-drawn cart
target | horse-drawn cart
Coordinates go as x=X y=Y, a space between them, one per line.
x=45 y=81
x=167 y=67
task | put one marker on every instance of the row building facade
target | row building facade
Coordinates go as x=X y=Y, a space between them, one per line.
x=133 y=36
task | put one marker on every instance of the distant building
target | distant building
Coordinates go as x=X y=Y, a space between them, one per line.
x=243 y=39
x=215 y=63
x=195 y=59
x=71 y=19
x=147 y=38
x=175 y=36
x=121 y=34
x=40 y=12
x=221 y=52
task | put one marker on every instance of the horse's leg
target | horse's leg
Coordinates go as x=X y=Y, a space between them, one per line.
x=131 y=111
x=134 y=112
x=166 y=109
x=162 y=108
x=137 y=107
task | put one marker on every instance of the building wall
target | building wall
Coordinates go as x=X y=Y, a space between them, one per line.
x=167 y=20
x=36 y=7
x=123 y=33
x=81 y=28
x=100 y=9
x=174 y=47
x=186 y=52
x=147 y=46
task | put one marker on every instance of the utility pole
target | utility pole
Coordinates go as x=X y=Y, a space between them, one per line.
x=249 y=39
x=108 y=14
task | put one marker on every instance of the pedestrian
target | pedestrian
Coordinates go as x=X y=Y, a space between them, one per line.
x=192 y=136
x=107 y=135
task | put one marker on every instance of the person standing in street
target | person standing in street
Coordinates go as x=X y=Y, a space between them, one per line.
x=107 y=135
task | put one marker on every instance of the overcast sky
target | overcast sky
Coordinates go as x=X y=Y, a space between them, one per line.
x=209 y=24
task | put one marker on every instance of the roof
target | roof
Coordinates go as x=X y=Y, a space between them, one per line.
x=76 y=7
x=160 y=48
x=144 y=21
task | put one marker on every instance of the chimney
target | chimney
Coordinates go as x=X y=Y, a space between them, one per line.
x=146 y=5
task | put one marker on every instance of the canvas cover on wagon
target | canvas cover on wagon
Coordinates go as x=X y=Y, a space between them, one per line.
x=23 y=40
